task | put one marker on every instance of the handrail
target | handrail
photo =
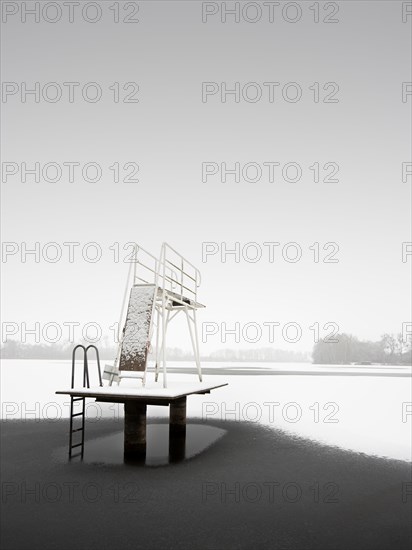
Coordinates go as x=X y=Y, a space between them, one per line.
x=185 y=281
x=180 y=269
x=136 y=262
x=98 y=362
x=197 y=272
x=86 y=379
x=85 y=366
x=149 y=269
x=135 y=276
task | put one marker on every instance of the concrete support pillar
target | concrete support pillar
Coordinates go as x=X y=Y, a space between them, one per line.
x=134 y=429
x=177 y=430
x=178 y=415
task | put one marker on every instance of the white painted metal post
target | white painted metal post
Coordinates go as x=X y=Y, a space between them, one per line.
x=199 y=370
x=157 y=344
x=195 y=344
x=164 y=324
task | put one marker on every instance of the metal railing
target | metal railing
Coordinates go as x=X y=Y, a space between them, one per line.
x=170 y=272
x=86 y=381
x=185 y=277
x=176 y=281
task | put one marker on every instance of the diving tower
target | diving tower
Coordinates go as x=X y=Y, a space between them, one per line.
x=158 y=289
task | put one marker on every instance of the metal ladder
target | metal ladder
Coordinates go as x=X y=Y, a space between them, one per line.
x=81 y=414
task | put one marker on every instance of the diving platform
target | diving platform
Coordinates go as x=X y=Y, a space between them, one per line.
x=157 y=290
x=135 y=402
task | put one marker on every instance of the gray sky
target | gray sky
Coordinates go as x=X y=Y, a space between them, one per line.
x=170 y=132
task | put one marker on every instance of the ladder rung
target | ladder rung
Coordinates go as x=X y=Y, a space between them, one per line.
x=77 y=445
x=77 y=430
x=77 y=398
x=77 y=414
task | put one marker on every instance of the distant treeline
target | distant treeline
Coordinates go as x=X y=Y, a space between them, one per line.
x=389 y=350
x=260 y=354
x=13 y=349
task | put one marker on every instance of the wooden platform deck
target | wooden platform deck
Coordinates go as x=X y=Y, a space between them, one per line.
x=151 y=392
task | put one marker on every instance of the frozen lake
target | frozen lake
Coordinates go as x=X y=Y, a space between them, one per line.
x=363 y=408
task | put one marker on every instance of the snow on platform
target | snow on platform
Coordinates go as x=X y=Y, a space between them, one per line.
x=150 y=391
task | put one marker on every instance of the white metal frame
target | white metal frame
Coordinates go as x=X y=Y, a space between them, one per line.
x=176 y=280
